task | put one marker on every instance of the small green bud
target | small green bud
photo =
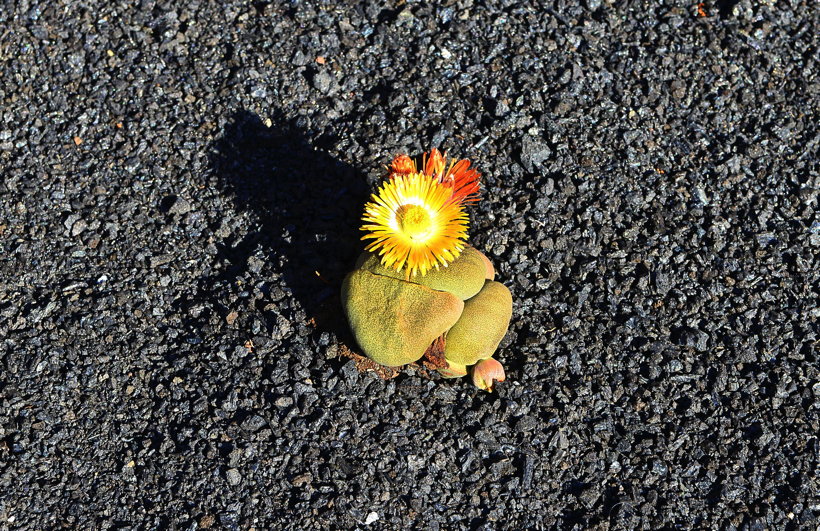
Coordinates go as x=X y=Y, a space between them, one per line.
x=486 y=372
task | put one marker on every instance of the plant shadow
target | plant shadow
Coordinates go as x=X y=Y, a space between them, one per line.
x=306 y=205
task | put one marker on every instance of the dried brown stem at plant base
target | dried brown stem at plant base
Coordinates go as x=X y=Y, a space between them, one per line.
x=329 y=319
x=433 y=358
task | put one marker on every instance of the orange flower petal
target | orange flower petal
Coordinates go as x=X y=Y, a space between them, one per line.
x=434 y=162
x=402 y=165
x=464 y=181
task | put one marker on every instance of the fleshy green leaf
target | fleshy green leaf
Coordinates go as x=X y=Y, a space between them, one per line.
x=395 y=321
x=482 y=325
x=453 y=370
x=463 y=277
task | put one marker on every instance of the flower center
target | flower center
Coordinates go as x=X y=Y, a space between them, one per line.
x=414 y=221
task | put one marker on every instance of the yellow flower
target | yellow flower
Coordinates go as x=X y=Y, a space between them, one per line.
x=416 y=223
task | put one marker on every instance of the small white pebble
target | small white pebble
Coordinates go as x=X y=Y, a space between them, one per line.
x=233 y=476
x=372 y=517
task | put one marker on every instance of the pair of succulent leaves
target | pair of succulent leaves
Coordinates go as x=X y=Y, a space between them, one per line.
x=395 y=319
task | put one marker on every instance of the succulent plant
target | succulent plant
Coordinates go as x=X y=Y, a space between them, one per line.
x=395 y=319
x=419 y=285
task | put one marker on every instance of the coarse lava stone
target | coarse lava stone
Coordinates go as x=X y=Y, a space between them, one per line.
x=181 y=186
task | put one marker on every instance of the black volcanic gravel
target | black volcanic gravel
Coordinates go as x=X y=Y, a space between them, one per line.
x=181 y=186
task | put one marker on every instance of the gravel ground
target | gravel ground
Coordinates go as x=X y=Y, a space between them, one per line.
x=181 y=187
